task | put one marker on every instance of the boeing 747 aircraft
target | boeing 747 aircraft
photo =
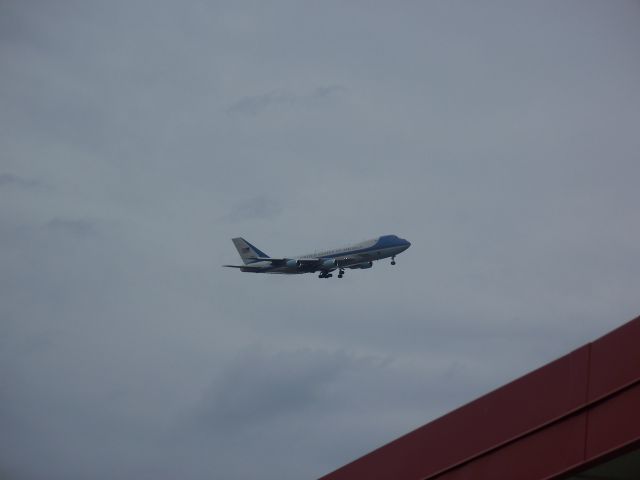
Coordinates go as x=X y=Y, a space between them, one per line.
x=358 y=256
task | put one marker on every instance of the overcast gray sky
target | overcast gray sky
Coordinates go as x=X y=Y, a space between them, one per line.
x=138 y=137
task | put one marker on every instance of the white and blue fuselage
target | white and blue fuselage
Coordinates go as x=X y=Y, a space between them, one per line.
x=357 y=256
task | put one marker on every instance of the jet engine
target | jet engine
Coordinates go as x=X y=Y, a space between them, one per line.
x=329 y=263
x=294 y=264
x=362 y=265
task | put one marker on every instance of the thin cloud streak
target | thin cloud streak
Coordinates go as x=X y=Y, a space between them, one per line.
x=256 y=104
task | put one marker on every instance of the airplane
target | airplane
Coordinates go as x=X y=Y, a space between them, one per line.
x=356 y=256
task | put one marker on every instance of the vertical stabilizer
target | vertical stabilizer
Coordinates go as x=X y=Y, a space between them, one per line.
x=247 y=252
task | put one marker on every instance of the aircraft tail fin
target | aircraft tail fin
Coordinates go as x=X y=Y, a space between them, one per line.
x=249 y=253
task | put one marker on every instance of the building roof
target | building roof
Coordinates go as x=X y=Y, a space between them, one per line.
x=566 y=417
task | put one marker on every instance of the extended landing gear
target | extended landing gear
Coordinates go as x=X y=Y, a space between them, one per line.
x=329 y=275
x=393 y=260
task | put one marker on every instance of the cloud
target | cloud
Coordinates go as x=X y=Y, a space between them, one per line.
x=253 y=105
x=260 y=386
x=262 y=207
x=328 y=91
x=11 y=180
x=506 y=152
x=78 y=228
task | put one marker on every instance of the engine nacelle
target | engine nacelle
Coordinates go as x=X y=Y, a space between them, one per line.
x=329 y=263
x=293 y=264
x=362 y=266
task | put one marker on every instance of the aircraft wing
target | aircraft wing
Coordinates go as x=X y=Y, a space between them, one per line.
x=281 y=261
x=308 y=261
x=246 y=267
x=273 y=261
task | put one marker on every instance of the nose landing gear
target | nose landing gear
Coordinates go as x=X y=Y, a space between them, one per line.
x=393 y=260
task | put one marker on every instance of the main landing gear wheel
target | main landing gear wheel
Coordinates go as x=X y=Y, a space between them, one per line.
x=340 y=273
x=393 y=260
